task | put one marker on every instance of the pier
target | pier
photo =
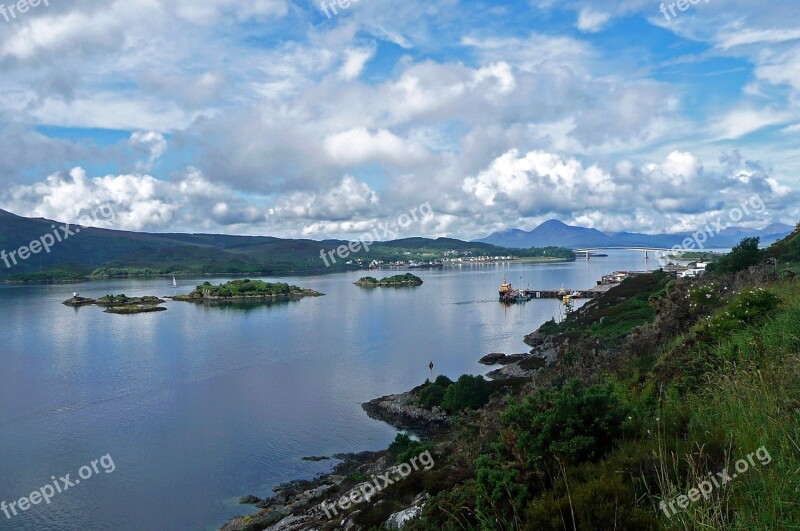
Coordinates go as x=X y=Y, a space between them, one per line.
x=509 y=294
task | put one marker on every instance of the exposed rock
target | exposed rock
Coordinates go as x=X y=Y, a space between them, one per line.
x=399 y=519
x=402 y=412
x=492 y=359
x=299 y=505
x=132 y=309
x=249 y=500
x=543 y=353
x=77 y=302
x=120 y=304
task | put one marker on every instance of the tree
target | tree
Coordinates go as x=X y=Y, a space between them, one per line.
x=744 y=255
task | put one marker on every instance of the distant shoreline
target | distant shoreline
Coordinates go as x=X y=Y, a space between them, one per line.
x=302 y=273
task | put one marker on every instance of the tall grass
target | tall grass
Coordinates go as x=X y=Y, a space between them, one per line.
x=753 y=401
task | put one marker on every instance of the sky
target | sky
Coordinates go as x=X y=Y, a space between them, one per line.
x=281 y=118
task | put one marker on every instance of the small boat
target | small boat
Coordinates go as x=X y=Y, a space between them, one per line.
x=509 y=294
x=174 y=282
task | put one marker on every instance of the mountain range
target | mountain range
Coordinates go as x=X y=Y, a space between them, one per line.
x=557 y=233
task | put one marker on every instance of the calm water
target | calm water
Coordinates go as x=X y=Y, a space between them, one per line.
x=198 y=406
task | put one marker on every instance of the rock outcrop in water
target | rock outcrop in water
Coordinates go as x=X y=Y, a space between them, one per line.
x=403 y=412
x=120 y=304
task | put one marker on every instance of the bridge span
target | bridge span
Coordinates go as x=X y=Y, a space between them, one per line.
x=646 y=250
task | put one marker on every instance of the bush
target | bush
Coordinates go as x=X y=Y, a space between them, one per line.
x=573 y=423
x=431 y=396
x=469 y=392
x=745 y=309
x=603 y=503
x=744 y=255
x=404 y=448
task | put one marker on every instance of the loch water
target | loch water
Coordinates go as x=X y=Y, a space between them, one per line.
x=200 y=405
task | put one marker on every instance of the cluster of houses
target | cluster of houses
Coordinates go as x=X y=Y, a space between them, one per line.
x=691 y=270
x=468 y=259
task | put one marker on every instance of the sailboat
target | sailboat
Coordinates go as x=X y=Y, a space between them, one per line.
x=174 y=282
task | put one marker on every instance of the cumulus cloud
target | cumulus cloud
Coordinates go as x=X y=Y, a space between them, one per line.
x=360 y=146
x=298 y=125
x=347 y=199
x=672 y=195
x=140 y=201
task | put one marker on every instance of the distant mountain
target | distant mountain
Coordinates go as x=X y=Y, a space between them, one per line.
x=557 y=233
x=777 y=228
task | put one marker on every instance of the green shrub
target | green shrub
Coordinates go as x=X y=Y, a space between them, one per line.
x=404 y=448
x=431 y=396
x=605 y=502
x=501 y=490
x=745 y=309
x=443 y=381
x=744 y=255
x=571 y=422
x=469 y=392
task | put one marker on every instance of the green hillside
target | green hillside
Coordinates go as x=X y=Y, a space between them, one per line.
x=667 y=404
x=111 y=253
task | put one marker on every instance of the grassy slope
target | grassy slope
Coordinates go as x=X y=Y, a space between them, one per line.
x=700 y=392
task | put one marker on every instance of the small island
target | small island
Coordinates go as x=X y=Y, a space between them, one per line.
x=396 y=281
x=120 y=304
x=246 y=290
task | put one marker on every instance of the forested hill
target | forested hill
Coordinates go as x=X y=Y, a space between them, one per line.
x=109 y=253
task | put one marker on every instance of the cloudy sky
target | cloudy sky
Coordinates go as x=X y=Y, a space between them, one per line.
x=270 y=117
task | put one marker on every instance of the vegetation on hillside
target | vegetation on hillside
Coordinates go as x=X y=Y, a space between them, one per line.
x=658 y=385
x=57 y=274
x=101 y=253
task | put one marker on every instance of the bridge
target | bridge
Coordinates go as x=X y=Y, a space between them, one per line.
x=645 y=250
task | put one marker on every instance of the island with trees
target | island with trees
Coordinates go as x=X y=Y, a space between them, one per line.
x=391 y=282
x=246 y=290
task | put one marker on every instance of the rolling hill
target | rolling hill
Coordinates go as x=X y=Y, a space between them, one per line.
x=112 y=253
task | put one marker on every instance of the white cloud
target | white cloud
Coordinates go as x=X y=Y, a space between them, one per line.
x=359 y=146
x=154 y=142
x=592 y=21
x=740 y=122
x=355 y=59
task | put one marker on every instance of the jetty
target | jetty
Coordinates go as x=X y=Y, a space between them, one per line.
x=509 y=294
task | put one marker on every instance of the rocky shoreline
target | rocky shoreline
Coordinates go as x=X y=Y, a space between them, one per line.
x=402 y=412
x=200 y=298
x=543 y=353
x=299 y=505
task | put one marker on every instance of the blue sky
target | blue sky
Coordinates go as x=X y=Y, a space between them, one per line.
x=268 y=117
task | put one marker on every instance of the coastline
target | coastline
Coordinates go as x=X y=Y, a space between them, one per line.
x=300 y=504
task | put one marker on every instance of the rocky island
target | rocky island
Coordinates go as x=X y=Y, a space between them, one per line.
x=396 y=281
x=246 y=290
x=120 y=304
